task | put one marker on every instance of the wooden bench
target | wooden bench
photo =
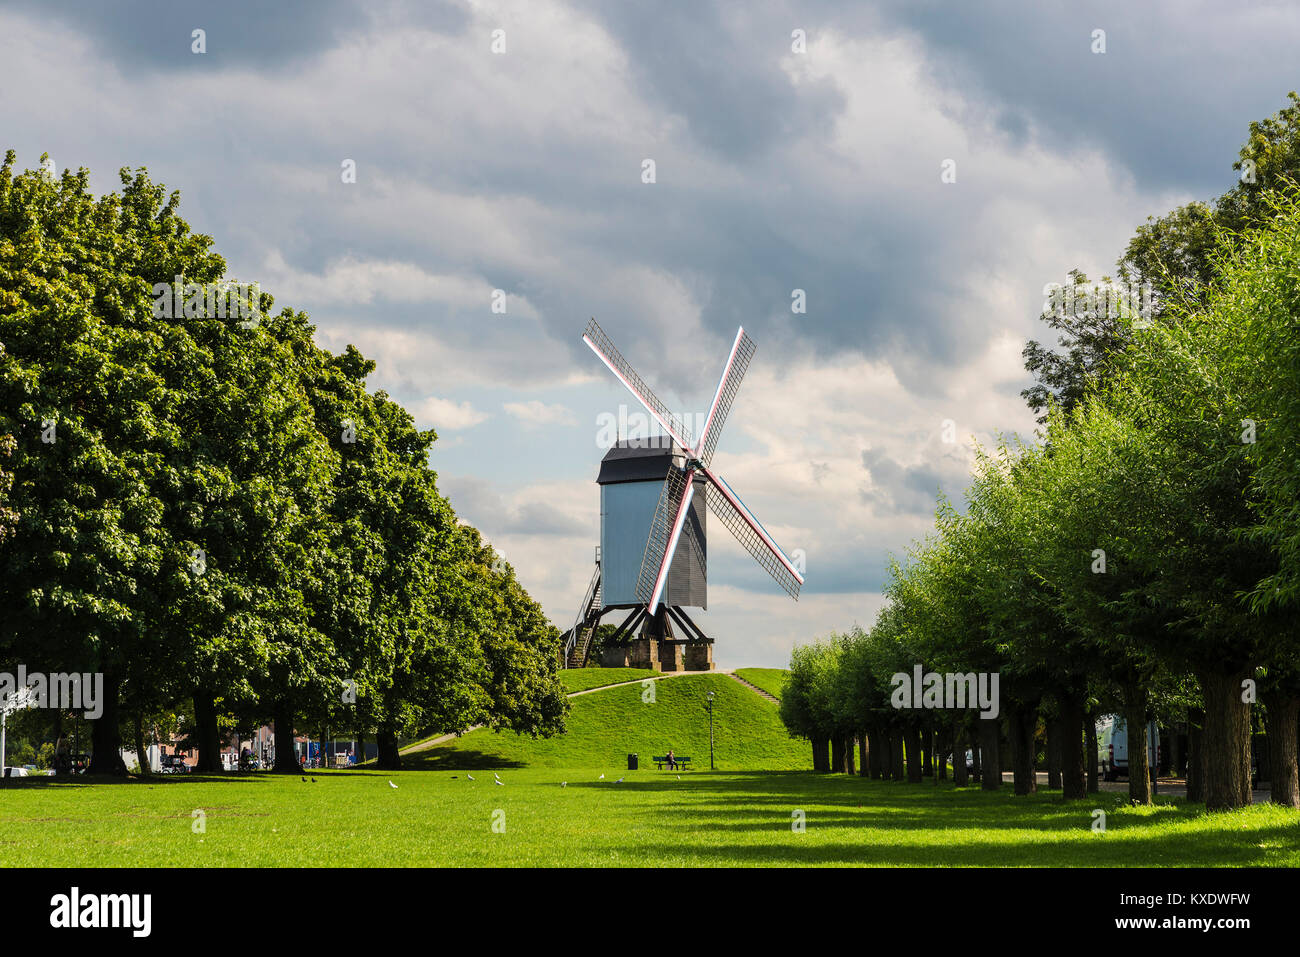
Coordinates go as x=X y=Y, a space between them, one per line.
x=661 y=759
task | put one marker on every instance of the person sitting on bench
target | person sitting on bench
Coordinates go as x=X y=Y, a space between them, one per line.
x=672 y=763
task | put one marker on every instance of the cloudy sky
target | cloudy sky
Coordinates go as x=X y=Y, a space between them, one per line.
x=777 y=166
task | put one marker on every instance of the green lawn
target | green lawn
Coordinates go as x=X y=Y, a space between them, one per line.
x=353 y=818
x=557 y=811
x=580 y=679
x=607 y=726
x=771 y=680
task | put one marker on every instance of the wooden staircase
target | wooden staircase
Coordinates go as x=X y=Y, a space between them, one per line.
x=578 y=645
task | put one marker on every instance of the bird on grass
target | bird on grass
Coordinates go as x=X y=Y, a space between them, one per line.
x=304 y=780
x=619 y=781
x=470 y=776
x=602 y=777
x=313 y=780
x=497 y=776
x=564 y=784
x=392 y=785
x=500 y=782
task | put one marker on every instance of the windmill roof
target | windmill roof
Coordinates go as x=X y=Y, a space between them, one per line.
x=638 y=460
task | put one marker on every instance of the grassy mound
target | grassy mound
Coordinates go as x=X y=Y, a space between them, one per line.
x=583 y=679
x=771 y=680
x=605 y=727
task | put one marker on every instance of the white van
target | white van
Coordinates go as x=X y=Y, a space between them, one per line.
x=1112 y=746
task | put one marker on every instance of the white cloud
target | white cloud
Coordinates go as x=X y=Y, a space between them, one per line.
x=437 y=413
x=536 y=412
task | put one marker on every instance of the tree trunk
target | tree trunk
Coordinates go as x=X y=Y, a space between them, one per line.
x=1022 y=720
x=1175 y=753
x=1281 y=715
x=942 y=736
x=106 y=733
x=877 y=750
x=1074 y=783
x=927 y=749
x=1135 y=719
x=206 y=732
x=389 y=759
x=863 y=759
x=1054 y=727
x=898 y=769
x=837 y=754
x=990 y=756
x=286 y=756
x=1092 y=757
x=912 y=747
x=1226 y=741
x=1195 y=755
x=959 y=774
x=141 y=754
x=821 y=754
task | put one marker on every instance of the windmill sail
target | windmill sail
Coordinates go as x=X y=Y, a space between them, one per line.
x=742 y=350
x=665 y=529
x=603 y=347
x=740 y=521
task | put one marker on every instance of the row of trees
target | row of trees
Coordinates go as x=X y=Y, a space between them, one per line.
x=211 y=507
x=1144 y=555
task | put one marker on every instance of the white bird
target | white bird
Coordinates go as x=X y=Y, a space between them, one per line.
x=564 y=784
x=470 y=776
x=602 y=777
x=502 y=783
x=679 y=777
x=497 y=776
x=391 y=784
x=619 y=781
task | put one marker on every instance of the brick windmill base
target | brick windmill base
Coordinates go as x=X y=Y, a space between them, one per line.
x=656 y=646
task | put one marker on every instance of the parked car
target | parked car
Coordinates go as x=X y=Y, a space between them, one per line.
x=1112 y=743
x=15 y=772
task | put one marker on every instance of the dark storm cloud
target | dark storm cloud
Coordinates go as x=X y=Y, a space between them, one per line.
x=909 y=489
x=720 y=70
x=147 y=36
x=1170 y=98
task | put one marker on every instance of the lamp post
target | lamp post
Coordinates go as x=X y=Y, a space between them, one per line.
x=710 y=730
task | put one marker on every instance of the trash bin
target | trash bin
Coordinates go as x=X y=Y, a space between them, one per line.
x=631 y=762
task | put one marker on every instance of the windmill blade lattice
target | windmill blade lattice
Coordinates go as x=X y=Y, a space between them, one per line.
x=731 y=511
x=673 y=424
x=661 y=530
x=741 y=352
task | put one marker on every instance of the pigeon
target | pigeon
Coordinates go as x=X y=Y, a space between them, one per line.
x=470 y=776
x=497 y=776
x=619 y=781
x=500 y=782
x=602 y=777
x=304 y=780
x=313 y=780
x=392 y=785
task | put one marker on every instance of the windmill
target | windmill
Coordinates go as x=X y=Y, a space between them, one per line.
x=653 y=553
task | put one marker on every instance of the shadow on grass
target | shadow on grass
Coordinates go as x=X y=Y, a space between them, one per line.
x=456 y=759
x=1221 y=849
